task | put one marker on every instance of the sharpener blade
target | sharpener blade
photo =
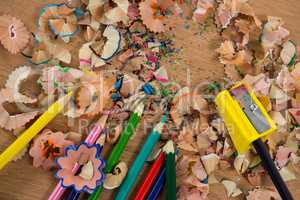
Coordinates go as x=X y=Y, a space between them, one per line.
x=250 y=108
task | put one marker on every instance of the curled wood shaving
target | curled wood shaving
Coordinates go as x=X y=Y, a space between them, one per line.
x=231 y=188
x=210 y=162
x=14 y=81
x=114 y=180
x=273 y=33
x=148 y=10
x=8 y=121
x=203 y=10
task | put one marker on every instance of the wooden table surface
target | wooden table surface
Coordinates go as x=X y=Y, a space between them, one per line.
x=21 y=181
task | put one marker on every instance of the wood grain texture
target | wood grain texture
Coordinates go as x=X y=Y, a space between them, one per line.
x=20 y=180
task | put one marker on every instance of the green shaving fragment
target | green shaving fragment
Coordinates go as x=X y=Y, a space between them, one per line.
x=213 y=86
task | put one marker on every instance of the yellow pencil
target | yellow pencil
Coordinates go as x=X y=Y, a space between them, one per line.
x=33 y=130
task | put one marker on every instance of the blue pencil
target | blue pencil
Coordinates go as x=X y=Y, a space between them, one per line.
x=158 y=185
x=73 y=195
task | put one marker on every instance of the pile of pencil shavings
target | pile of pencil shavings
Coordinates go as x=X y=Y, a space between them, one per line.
x=130 y=40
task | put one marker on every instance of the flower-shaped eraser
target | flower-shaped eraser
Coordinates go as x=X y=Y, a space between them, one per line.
x=90 y=174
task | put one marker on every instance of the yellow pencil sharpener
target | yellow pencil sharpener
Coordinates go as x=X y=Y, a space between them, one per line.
x=245 y=117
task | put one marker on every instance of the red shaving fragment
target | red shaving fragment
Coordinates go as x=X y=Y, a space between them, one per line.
x=282 y=156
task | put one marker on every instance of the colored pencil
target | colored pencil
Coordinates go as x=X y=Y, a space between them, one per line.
x=73 y=195
x=118 y=149
x=150 y=177
x=140 y=160
x=90 y=139
x=20 y=143
x=170 y=170
x=158 y=185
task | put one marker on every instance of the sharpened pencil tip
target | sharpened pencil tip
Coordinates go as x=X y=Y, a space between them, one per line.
x=65 y=99
x=101 y=139
x=102 y=121
x=169 y=147
x=139 y=109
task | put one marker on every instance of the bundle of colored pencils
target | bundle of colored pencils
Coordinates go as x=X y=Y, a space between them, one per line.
x=162 y=172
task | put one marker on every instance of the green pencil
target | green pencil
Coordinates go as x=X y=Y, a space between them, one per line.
x=118 y=149
x=170 y=170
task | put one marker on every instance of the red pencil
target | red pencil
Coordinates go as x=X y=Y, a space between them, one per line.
x=150 y=177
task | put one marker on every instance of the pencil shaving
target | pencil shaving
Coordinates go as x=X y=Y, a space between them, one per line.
x=114 y=180
x=231 y=188
x=151 y=16
x=11 y=122
x=14 y=36
x=91 y=175
x=46 y=147
x=210 y=162
x=14 y=81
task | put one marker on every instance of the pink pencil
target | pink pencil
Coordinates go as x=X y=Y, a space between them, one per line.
x=90 y=139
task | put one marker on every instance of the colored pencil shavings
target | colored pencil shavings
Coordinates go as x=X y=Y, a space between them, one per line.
x=47 y=147
x=74 y=3
x=184 y=102
x=231 y=188
x=58 y=78
x=273 y=33
x=133 y=11
x=192 y=188
x=91 y=174
x=203 y=10
x=232 y=73
x=14 y=83
x=11 y=122
x=113 y=43
x=282 y=156
x=103 y=48
x=287 y=173
x=64 y=27
x=153 y=13
x=85 y=55
x=59 y=19
x=255 y=177
x=40 y=54
x=210 y=162
x=241 y=163
x=14 y=36
x=96 y=8
x=230 y=9
x=124 y=52
x=89 y=33
x=117 y=14
x=28 y=50
x=161 y=75
x=288 y=53
x=93 y=94
x=263 y=194
x=103 y=12
x=113 y=180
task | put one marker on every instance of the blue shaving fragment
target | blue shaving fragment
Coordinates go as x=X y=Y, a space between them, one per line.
x=148 y=89
x=116 y=97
